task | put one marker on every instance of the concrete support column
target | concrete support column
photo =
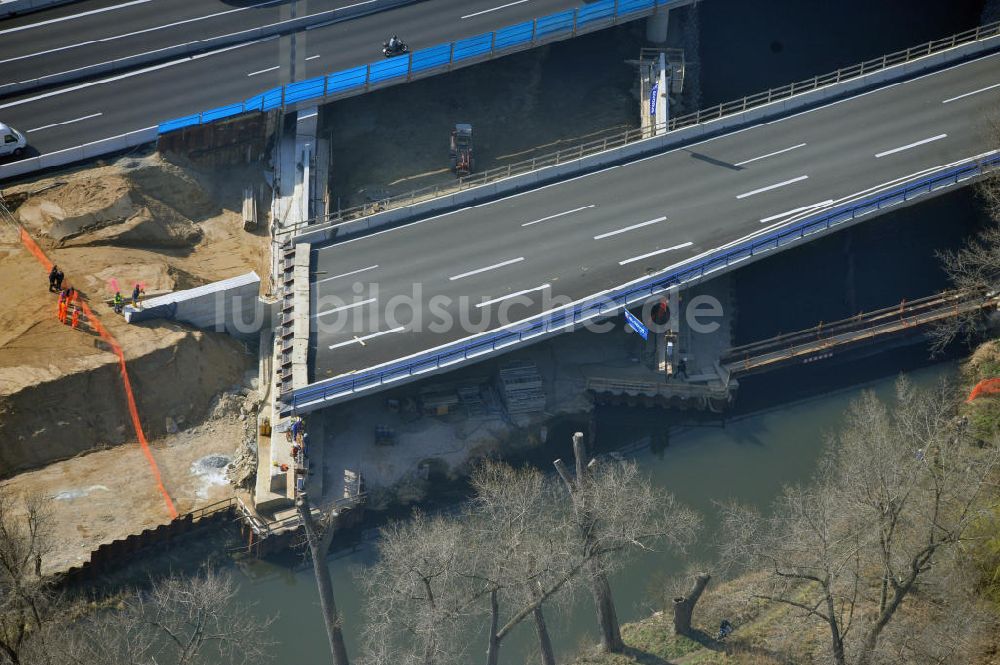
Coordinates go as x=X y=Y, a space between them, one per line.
x=656 y=26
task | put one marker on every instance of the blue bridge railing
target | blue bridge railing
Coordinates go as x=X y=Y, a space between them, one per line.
x=425 y=61
x=616 y=300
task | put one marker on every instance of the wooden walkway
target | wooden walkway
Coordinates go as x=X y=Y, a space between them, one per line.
x=816 y=343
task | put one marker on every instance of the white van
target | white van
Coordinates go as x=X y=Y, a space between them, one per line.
x=12 y=142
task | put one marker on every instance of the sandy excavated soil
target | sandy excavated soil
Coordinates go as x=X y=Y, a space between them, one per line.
x=110 y=494
x=136 y=220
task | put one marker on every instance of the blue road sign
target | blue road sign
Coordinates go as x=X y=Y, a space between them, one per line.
x=636 y=325
x=652 y=100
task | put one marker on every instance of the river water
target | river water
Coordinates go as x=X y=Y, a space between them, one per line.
x=777 y=431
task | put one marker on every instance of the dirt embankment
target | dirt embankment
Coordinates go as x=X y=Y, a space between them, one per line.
x=137 y=221
x=72 y=413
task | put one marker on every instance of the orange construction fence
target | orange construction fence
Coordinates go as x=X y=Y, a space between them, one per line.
x=96 y=325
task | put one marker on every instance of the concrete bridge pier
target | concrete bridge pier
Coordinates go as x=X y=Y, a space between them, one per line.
x=656 y=26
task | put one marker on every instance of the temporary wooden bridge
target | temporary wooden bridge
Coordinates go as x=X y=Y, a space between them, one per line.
x=825 y=339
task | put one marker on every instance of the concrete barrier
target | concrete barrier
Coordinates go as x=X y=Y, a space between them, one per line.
x=231 y=305
x=78 y=153
x=200 y=45
x=645 y=147
x=14 y=7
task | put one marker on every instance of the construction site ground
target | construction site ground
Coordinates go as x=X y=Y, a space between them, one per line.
x=109 y=226
x=529 y=104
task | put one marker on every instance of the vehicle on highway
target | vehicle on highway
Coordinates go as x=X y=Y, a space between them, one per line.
x=394 y=46
x=12 y=142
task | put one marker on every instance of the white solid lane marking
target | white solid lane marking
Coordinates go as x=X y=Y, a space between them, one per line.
x=770 y=154
x=558 y=214
x=774 y=186
x=51 y=50
x=911 y=145
x=630 y=228
x=513 y=295
x=821 y=204
x=70 y=18
x=345 y=307
x=190 y=20
x=119 y=77
x=312 y=57
x=346 y=274
x=487 y=11
x=659 y=251
x=969 y=94
x=364 y=338
x=67 y=122
x=140 y=32
x=263 y=71
x=495 y=265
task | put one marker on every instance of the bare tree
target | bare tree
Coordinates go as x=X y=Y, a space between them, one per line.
x=500 y=557
x=615 y=511
x=989 y=187
x=26 y=597
x=417 y=593
x=522 y=549
x=515 y=547
x=893 y=500
x=179 y=621
x=318 y=539
x=975 y=267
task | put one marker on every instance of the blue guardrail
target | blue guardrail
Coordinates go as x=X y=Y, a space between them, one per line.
x=444 y=55
x=615 y=301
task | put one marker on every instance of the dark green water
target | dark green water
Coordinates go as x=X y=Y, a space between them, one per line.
x=748 y=459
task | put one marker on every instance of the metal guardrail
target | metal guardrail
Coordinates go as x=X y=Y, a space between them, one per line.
x=611 y=303
x=432 y=60
x=629 y=136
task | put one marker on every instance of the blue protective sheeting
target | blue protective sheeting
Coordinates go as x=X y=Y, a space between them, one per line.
x=595 y=12
x=254 y=103
x=346 y=79
x=179 y=123
x=222 y=112
x=388 y=69
x=304 y=90
x=561 y=22
x=272 y=99
x=473 y=46
x=514 y=35
x=429 y=58
x=629 y=6
x=426 y=59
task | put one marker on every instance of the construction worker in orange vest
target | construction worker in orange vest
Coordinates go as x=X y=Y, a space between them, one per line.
x=76 y=317
x=62 y=310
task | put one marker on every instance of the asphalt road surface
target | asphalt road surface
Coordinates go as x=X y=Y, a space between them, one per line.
x=69 y=37
x=83 y=112
x=585 y=235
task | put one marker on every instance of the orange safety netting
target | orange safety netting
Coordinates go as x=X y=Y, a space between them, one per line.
x=32 y=247
x=985 y=387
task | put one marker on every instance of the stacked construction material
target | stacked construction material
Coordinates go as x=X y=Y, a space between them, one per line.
x=521 y=387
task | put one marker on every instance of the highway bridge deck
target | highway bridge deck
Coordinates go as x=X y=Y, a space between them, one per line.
x=588 y=234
